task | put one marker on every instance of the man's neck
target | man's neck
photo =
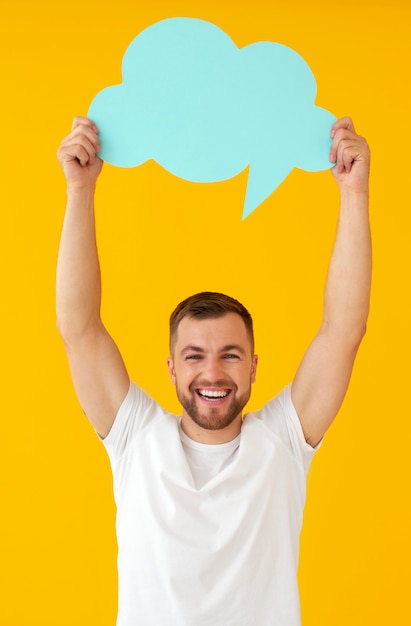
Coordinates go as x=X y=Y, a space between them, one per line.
x=209 y=436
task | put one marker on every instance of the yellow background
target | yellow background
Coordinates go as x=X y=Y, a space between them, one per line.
x=161 y=239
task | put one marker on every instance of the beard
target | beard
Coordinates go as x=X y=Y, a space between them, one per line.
x=212 y=418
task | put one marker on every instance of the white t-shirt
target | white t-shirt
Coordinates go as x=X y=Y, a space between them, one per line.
x=207 y=460
x=223 y=552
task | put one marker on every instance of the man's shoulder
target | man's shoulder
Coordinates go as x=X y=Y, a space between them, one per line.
x=137 y=412
x=279 y=404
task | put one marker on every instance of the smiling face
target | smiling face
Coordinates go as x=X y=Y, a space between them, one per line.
x=212 y=367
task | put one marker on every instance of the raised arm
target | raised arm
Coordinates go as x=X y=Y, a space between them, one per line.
x=99 y=375
x=322 y=379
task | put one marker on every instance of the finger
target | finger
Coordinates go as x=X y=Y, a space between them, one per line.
x=74 y=152
x=344 y=123
x=345 y=162
x=348 y=152
x=79 y=120
x=83 y=134
x=341 y=134
x=79 y=148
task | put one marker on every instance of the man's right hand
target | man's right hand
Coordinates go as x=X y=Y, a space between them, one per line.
x=78 y=154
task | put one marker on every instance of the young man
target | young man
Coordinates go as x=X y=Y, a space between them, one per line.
x=209 y=505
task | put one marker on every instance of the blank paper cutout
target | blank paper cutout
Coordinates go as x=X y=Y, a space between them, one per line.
x=205 y=109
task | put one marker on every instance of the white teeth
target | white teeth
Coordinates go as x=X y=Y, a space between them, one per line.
x=212 y=394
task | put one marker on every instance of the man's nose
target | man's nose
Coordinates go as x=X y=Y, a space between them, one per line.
x=214 y=370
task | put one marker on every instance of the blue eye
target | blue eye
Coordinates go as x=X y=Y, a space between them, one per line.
x=231 y=356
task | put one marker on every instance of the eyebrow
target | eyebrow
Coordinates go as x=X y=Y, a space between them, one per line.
x=233 y=347
x=229 y=348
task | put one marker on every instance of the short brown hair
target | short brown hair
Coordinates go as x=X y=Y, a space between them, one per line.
x=209 y=304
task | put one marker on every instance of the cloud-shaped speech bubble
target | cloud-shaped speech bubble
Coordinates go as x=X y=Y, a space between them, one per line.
x=205 y=109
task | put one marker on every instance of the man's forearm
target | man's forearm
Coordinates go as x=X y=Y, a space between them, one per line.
x=78 y=270
x=348 y=283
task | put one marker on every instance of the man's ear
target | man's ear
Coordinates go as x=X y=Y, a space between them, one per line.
x=254 y=368
x=170 y=366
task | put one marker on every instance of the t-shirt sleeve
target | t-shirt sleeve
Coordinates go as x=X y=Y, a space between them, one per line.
x=133 y=415
x=280 y=416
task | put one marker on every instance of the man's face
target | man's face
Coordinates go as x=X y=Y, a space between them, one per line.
x=213 y=368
